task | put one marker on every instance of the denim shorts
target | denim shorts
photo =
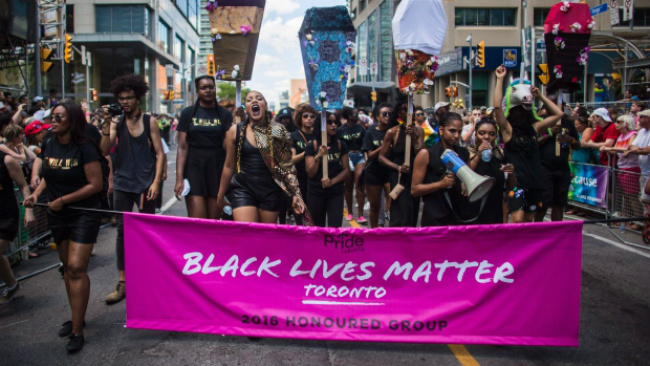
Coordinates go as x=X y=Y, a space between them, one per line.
x=355 y=159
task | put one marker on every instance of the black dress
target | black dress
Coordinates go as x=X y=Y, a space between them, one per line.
x=403 y=210
x=9 y=215
x=205 y=130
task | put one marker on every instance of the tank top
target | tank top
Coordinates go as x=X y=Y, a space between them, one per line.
x=251 y=160
x=135 y=165
x=8 y=203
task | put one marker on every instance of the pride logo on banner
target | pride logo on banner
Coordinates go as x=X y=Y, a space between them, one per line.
x=589 y=184
x=496 y=284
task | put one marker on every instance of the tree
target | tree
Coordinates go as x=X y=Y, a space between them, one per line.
x=228 y=90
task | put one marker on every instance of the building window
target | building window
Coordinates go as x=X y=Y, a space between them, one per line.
x=362 y=45
x=540 y=15
x=179 y=46
x=182 y=5
x=640 y=17
x=362 y=5
x=386 y=42
x=484 y=17
x=122 y=19
x=372 y=39
x=163 y=37
x=69 y=18
x=193 y=13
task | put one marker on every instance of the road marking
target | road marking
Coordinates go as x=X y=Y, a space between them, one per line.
x=616 y=244
x=9 y=325
x=353 y=222
x=167 y=205
x=317 y=302
x=463 y=355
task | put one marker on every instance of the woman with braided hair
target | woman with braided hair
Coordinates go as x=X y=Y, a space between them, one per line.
x=201 y=152
x=258 y=167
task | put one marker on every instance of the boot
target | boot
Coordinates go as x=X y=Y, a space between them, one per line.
x=118 y=295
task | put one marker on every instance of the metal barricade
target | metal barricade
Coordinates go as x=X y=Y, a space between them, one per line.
x=626 y=198
x=30 y=237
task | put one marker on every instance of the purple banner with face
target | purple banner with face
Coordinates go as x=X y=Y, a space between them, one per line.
x=496 y=284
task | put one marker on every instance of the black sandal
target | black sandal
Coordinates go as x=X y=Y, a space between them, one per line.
x=66 y=328
x=75 y=344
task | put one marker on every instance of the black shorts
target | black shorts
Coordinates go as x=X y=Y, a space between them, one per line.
x=528 y=200
x=79 y=227
x=556 y=187
x=248 y=190
x=9 y=228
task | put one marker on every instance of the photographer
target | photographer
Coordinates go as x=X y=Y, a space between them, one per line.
x=139 y=164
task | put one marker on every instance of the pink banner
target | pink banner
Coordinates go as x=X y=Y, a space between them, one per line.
x=496 y=284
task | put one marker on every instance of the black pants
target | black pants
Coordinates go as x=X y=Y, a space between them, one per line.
x=124 y=201
x=403 y=210
x=326 y=207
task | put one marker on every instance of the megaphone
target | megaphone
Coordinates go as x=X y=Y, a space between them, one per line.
x=477 y=185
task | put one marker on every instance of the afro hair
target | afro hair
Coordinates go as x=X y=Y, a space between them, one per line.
x=132 y=82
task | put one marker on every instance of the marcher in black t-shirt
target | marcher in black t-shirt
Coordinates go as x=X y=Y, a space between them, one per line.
x=435 y=184
x=305 y=117
x=376 y=175
x=352 y=133
x=519 y=132
x=325 y=200
x=72 y=176
x=201 y=153
x=557 y=174
x=139 y=164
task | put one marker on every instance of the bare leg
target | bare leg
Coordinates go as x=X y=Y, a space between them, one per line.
x=76 y=275
x=387 y=196
x=6 y=274
x=196 y=207
x=349 y=188
x=268 y=217
x=245 y=214
x=361 y=195
x=213 y=208
x=517 y=216
x=374 y=197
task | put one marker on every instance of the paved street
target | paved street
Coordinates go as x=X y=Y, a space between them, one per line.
x=615 y=322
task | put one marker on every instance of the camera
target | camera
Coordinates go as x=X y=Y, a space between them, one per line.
x=115 y=110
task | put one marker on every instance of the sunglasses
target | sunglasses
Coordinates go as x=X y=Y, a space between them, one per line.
x=419 y=114
x=330 y=122
x=207 y=87
x=308 y=115
x=385 y=114
x=57 y=117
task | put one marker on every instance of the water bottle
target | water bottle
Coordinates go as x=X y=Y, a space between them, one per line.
x=486 y=155
x=227 y=210
x=622 y=227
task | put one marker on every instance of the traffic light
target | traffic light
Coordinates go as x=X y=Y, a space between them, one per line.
x=373 y=96
x=211 y=70
x=448 y=91
x=170 y=96
x=94 y=92
x=543 y=73
x=166 y=95
x=454 y=91
x=68 y=53
x=45 y=54
x=480 y=54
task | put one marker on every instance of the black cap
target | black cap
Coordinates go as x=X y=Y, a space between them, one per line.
x=285 y=112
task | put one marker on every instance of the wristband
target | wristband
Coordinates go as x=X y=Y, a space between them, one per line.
x=106 y=134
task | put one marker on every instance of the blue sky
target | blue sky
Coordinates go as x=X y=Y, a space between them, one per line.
x=278 y=56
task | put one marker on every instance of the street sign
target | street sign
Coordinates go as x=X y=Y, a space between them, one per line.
x=373 y=69
x=628 y=10
x=599 y=9
x=83 y=55
x=613 y=14
x=178 y=101
x=203 y=70
x=509 y=57
x=540 y=44
x=169 y=70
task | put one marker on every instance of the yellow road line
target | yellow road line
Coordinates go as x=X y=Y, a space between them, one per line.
x=463 y=355
x=354 y=222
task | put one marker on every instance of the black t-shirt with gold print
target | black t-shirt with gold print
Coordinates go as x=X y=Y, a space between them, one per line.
x=207 y=128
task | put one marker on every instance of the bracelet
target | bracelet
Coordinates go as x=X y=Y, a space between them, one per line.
x=106 y=134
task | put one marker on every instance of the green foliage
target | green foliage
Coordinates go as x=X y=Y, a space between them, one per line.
x=228 y=90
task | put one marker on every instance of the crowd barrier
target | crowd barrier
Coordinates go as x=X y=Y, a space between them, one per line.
x=612 y=192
